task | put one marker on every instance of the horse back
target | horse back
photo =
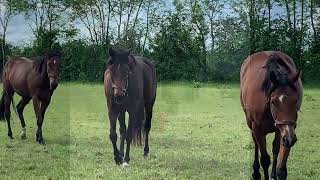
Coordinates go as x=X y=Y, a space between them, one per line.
x=149 y=78
x=16 y=73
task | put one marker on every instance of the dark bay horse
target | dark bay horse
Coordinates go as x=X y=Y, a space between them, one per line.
x=130 y=86
x=271 y=96
x=30 y=79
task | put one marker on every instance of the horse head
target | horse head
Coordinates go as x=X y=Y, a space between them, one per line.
x=121 y=65
x=53 y=67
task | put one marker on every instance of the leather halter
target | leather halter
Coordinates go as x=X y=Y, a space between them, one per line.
x=51 y=75
x=125 y=89
x=282 y=122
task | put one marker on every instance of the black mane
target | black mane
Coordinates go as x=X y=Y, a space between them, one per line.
x=39 y=61
x=275 y=77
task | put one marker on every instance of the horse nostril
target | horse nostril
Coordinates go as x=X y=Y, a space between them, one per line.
x=54 y=85
x=294 y=140
x=285 y=141
x=289 y=142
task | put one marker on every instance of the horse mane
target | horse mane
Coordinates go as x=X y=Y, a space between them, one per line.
x=39 y=61
x=273 y=70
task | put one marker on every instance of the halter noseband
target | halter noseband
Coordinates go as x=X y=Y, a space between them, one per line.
x=278 y=122
x=51 y=75
x=285 y=122
x=125 y=89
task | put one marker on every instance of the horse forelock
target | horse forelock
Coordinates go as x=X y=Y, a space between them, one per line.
x=38 y=63
x=279 y=68
x=53 y=53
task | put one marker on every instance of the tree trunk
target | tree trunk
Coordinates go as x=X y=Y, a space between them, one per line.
x=120 y=21
x=312 y=20
x=147 y=30
x=252 y=27
x=288 y=15
x=269 y=25
x=108 y=19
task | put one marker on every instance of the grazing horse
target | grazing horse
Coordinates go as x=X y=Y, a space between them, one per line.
x=271 y=96
x=30 y=79
x=130 y=86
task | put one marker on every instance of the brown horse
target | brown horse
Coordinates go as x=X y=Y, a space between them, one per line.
x=130 y=86
x=30 y=79
x=271 y=96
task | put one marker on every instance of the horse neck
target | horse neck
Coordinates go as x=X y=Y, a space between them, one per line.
x=44 y=73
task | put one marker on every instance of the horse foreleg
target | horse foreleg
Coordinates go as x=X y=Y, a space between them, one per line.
x=282 y=163
x=129 y=137
x=40 y=107
x=275 y=152
x=265 y=158
x=256 y=165
x=20 y=107
x=113 y=135
x=122 y=130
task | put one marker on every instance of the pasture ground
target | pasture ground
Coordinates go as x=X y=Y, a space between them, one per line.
x=197 y=133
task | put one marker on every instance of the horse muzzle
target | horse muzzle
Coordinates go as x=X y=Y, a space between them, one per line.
x=289 y=141
x=53 y=84
x=119 y=99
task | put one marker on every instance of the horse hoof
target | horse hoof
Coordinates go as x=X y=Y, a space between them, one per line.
x=121 y=158
x=23 y=137
x=256 y=176
x=41 y=142
x=125 y=164
x=145 y=154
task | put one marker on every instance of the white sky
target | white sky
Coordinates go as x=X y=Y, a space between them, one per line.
x=19 y=32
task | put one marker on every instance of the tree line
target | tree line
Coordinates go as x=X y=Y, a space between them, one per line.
x=201 y=40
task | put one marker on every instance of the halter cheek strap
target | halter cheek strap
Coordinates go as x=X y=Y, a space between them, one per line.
x=52 y=75
x=125 y=90
x=282 y=122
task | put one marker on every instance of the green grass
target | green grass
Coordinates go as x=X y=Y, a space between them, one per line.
x=197 y=133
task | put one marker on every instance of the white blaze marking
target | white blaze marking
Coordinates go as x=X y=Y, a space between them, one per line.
x=288 y=130
x=281 y=98
x=54 y=61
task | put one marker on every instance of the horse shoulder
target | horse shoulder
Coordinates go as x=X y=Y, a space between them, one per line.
x=107 y=84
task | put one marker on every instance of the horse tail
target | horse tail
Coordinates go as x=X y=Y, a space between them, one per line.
x=2 y=114
x=138 y=129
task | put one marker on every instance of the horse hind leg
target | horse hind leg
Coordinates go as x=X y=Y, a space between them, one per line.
x=20 y=107
x=147 y=127
x=7 y=101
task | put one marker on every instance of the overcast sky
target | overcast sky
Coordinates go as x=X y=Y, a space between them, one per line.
x=19 y=32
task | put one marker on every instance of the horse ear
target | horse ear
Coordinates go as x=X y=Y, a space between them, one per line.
x=128 y=52
x=132 y=63
x=108 y=63
x=111 y=52
x=273 y=78
x=296 y=77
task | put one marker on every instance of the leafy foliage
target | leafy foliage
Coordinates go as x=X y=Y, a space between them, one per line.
x=189 y=40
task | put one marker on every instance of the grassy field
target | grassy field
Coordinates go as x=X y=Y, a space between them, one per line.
x=197 y=133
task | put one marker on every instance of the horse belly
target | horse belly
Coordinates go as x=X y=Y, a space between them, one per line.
x=20 y=87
